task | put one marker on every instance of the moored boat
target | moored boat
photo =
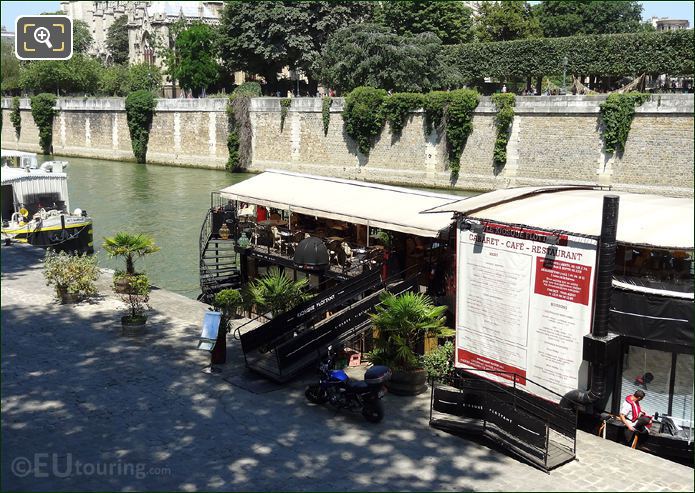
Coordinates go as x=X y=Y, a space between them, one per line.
x=35 y=205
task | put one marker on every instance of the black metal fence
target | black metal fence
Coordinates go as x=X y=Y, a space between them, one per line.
x=536 y=430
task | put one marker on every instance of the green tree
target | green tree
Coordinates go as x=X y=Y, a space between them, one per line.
x=117 y=40
x=129 y=246
x=264 y=37
x=144 y=77
x=506 y=20
x=371 y=55
x=559 y=19
x=81 y=37
x=9 y=68
x=139 y=110
x=451 y=22
x=114 y=81
x=196 y=65
x=78 y=75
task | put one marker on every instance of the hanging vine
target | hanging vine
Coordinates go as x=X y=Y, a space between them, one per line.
x=285 y=104
x=363 y=116
x=326 y=103
x=42 y=112
x=503 y=121
x=139 y=110
x=617 y=113
x=398 y=106
x=16 y=116
x=239 y=125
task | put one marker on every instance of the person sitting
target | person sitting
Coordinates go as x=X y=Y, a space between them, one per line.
x=636 y=421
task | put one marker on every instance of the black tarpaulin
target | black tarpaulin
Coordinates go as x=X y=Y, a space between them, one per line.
x=651 y=317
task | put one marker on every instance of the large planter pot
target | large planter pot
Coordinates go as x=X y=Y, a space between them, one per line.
x=69 y=298
x=133 y=327
x=411 y=382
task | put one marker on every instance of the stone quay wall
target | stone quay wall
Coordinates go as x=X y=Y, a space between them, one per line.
x=554 y=140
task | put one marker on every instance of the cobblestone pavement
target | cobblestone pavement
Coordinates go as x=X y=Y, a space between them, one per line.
x=84 y=408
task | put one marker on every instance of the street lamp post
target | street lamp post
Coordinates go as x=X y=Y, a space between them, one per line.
x=564 y=75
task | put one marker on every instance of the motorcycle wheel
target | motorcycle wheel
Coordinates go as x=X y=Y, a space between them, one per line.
x=315 y=394
x=373 y=411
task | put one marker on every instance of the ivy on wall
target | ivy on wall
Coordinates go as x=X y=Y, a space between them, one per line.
x=285 y=104
x=617 y=113
x=458 y=124
x=139 y=110
x=42 y=112
x=363 y=116
x=503 y=121
x=398 y=106
x=326 y=104
x=239 y=125
x=15 y=116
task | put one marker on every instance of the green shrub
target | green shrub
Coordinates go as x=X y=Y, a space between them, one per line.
x=326 y=104
x=459 y=124
x=503 y=121
x=239 y=125
x=439 y=362
x=363 y=116
x=136 y=296
x=398 y=106
x=251 y=89
x=16 y=116
x=285 y=104
x=276 y=292
x=42 y=112
x=139 y=108
x=73 y=274
x=228 y=301
x=617 y=113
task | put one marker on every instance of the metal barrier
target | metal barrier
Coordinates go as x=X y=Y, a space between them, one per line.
x=536 y=430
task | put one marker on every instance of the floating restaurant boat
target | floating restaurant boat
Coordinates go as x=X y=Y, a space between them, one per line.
x=350 y=239
x=35 y=206
x=547 y=307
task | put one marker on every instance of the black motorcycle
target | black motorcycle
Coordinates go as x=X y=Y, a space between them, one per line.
x=341 y=392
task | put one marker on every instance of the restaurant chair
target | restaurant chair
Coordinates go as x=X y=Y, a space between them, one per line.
x=277 y=238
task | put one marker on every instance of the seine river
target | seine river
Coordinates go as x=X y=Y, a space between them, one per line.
x=168 y=203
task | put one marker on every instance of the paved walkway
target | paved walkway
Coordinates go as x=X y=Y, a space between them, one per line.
x=84 y=408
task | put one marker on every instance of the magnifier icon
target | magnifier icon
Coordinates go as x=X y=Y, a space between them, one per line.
x=43 y=35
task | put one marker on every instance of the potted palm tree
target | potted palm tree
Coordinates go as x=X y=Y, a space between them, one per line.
x=72 y=276
x=136 y=295
x=276 y=292
x=402 y=322
x=129 y=246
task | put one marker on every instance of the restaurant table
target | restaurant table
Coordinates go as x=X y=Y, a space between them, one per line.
x=272 y=222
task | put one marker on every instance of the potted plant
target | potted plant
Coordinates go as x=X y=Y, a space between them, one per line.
x=439 y=363
x=227 y=301
x=276 y=292
x=128 y=246
x=73 y=276
x=135 y=296
x=402 y=322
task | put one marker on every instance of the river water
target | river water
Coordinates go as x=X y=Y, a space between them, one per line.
x=168 y=203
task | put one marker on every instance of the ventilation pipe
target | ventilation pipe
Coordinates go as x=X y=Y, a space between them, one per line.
x=600 y=345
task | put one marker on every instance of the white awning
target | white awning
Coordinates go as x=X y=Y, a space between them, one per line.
x=665 y=222
x=382 y=206
x=13 y=153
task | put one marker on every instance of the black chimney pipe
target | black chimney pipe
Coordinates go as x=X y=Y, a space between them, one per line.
x=604 y=278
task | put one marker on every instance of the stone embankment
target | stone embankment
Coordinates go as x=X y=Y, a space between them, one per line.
x=86 y=409
x=554 y=140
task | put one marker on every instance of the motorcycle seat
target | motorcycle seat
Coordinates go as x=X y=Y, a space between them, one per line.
x=357 y=385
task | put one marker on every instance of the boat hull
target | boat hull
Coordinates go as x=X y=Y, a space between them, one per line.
x=74 y=236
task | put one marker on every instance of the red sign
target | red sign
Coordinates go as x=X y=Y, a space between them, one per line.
x=564 y=281
x=482 y=363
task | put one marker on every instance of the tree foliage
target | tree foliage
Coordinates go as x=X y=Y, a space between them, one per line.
x=451 y=22
x=397 y=108
x=371 y=55
x=9 y=68
x=265 y=37
x=81 y=36
x=43 y=112
x=117 y=40
x=558 y=19
x=144 y=77
x=78 y=75
x=617 y=112
x=607 y=55
x=195 y=58
x=139 y=109
x=505 y=21
x=129 y=246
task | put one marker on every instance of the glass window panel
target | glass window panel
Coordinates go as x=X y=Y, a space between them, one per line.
x=683 y=390
x=649 y=370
